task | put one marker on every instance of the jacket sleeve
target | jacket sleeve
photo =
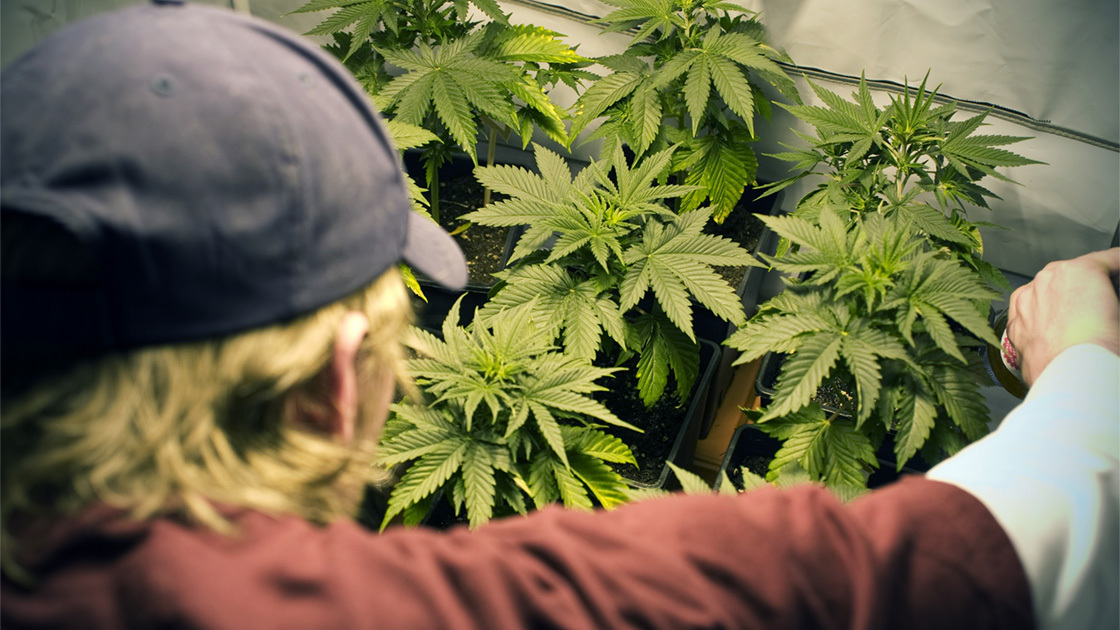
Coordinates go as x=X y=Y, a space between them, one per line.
x=1049 y=474
x=920 y=554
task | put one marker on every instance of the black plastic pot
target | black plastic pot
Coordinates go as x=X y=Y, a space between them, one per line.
x=682 y=448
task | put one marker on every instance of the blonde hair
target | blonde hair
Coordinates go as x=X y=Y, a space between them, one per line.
x=171 y=429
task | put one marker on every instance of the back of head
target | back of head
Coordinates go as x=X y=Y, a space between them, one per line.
x=191 y=200
x=219 y=172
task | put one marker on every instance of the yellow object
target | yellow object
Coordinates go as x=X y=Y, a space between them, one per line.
x=729 y=416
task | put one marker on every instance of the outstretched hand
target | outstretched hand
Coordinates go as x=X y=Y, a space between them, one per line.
x=1068 y=303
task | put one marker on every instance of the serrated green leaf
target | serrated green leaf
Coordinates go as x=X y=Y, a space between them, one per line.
x=572 y=490
x=608 y=487
x=653 y=370
x=322 y=5
x=541 y=482
x=934 y=223
x=600 y=95
x=916 y=416
x=595 y=443
x=734 y=89
x=724 y=165
x=861 y=359
x=343 y=18
x=959 y=394
x=479 y=485
x=524 y=42
x=425 y=476
x=550 y=430
x=646 y=116
x=697 y=90
x=828 y=449
x=767 y=334
x=691 y=483
x=802 y=373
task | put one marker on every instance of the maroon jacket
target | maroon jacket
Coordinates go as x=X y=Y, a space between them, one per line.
x=918 y=554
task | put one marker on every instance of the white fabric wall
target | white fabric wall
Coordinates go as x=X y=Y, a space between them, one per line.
x=1052 y=67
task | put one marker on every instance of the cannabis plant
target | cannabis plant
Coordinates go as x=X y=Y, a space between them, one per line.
x=603 y=263
x=879 y=307
x=909 y=158
x=506 y=422
x=691 y=76
x=453 y=75
x=406 y=136
x=792 y=475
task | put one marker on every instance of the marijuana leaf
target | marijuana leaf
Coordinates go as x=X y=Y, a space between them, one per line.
x=609 y=241
x=675 y=262
x=721 y=61
x=828 y=448
x=721 y=164
x=893 y=159
x=454 y=83
x=501 y=405
x=662 y=347
x=459 y=74
x=690 y=78
x=876 y=302
x=964 y=151
x=362 y=15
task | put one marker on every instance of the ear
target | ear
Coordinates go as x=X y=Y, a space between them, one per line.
x=343 y=377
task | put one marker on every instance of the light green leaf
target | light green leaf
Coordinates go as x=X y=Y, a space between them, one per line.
x=735 y=90
x=479 y=485
x=601 y=95
x=607 y=485
x=802 y=373
x=691 y=483
x=916 y=416
x=572 y=491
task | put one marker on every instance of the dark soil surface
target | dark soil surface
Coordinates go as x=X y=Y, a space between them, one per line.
x=660 y=424
x=836 y=392
x=742 y=226
x=483 y=246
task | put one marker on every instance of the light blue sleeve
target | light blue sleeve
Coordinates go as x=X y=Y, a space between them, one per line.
x=1049 y=476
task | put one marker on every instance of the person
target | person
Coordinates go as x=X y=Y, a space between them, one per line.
x=202 y=224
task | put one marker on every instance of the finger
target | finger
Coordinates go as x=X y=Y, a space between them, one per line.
x=1108 y=259
x=1014 y=301
x=1009 y=330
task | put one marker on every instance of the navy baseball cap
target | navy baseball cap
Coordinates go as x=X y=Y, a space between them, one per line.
x=214 y=172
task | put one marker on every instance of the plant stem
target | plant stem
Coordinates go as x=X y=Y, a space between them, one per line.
x=433 y=194
x=490 y=149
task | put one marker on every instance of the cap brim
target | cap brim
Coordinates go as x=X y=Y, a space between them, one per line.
x=431 y=251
